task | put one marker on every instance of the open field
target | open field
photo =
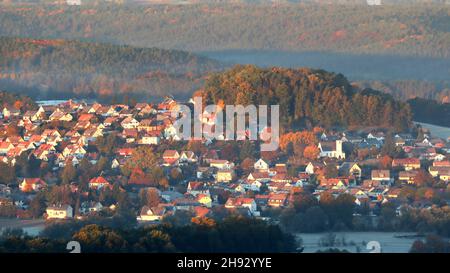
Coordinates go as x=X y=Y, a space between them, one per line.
x=32 y=226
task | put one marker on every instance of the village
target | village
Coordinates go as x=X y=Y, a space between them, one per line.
x=201 y=177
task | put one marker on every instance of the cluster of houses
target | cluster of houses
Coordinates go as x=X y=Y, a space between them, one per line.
x=215 y=182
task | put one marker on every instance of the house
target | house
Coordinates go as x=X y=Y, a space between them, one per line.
x=10 y=112
x=225 y=175
x=32 y=184
x=60 y=116
x=151 y=214
x=350 y=169
x=170 y=156
x=393 y=193
x=407 y=176
x=91 y=207
x=98 y=183
x=241 y=202
x=313 y=167
x=259 y=176
x=5 y=147
x=32 y=115
x=185 y=204
x=194 y=188
x=442 y=163
x=331 y=149
x=279 y=168
x=221 y=164
x=171 y=132
x=59 y=212
x=129 y=123
x=406 y=163
x=167 y=104
x=354 y=139
x=125 y=152
x=169 y=196
x=141 y=105
x=150 y=139
x=370 y=143
x=281 y=178
x=204 y=199
x=439 y=171
x=204 y=172
x=277 y=199
x=261 y=165
x=130 y=135
x=51 y=132
x=382 y=175
x=445 y=175
x=188 y=157
x=74 y=150
x=335 y=183
x=379 y=136
x=252 y=185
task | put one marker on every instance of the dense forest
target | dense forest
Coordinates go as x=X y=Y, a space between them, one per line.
x=421 y=30
x=430 y=111
x=307 y=97
x=58 y=68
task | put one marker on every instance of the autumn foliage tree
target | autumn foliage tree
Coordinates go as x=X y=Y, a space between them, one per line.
x=311 y=152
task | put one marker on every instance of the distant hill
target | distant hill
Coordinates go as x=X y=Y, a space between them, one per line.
x=62 y=69
x=420 y=30
x=307 y=97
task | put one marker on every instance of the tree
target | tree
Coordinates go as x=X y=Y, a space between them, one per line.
x=247 y=164
x=149 y=197
x=175 y=174
x=432 y=244
x=423 y=179
x=385 y=162
x=102 y=164
x=69 y=173
x=204 y=221
x=61 y=195
x=388 y=217
x=142 y=158
x=331 y=171
x=95 y=238
x=311 y=152
x=12 y=130
x=107 y=145
x=339 y=210
x=247 y=150
x=38 y=205
x=8 y=174
x=86 y=167
x=302 y=202
x=290 y=149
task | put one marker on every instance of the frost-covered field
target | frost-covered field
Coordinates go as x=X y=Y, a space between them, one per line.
x=438 y=131
x=390 y=242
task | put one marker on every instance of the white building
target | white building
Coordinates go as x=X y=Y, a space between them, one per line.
x=59 y=212
x=73 y=2
x=331 y=149
x=261 y=165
